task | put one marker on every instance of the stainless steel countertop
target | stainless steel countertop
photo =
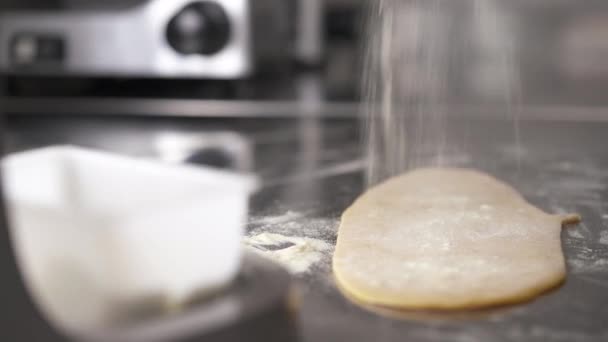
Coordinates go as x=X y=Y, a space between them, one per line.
x=561 y=167
x=558 y=165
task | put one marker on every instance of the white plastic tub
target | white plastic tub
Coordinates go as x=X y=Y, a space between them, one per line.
x=92 y=229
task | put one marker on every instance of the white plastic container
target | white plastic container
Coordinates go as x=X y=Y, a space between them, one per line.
x=92 y=229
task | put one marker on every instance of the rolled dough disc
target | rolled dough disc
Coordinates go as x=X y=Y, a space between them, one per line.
x=447 y=239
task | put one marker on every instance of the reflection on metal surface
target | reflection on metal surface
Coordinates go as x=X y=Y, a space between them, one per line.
x=310 y=143
x=176 y=108
x=338 y=169
x=260 y=295
x=219 y=149
x=584 y=48
x=310 y=31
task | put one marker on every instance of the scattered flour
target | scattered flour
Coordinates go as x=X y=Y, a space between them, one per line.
x=297 y=254
x=588 y=260
x=296 y=224
x=604 y=237
x=579 y=231
x=297 y=240
x=575 y=234
x=586 y=266
x=333 y=170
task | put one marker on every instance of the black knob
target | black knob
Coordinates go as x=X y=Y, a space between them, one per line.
x=199 y=28
x=215 y=157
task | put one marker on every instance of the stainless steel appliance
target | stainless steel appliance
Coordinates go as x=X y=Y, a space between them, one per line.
x=221 y=39
x=203 y=49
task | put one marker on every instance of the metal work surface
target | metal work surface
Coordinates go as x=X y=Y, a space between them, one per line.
x=310 y=178
x=560 y=167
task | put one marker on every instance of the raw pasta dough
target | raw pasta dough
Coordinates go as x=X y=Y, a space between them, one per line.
x=447 y=239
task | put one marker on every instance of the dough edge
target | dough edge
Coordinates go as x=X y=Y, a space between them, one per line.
x=373 y=298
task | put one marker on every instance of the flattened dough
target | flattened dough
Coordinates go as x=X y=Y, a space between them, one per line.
x=447 y=239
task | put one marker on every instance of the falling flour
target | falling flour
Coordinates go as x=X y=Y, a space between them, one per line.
x=297 y=254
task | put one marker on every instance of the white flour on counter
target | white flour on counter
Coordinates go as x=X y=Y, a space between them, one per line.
x=297 y=240
x=604 y=237
x=297 y=254
x=581 y=265
x=575 y=233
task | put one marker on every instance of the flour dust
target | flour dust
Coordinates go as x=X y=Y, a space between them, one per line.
x=297 y=254
x=422 y=57
x=299 y=241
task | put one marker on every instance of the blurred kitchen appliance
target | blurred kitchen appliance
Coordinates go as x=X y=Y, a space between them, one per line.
x=246 y=49
x=216 y=39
